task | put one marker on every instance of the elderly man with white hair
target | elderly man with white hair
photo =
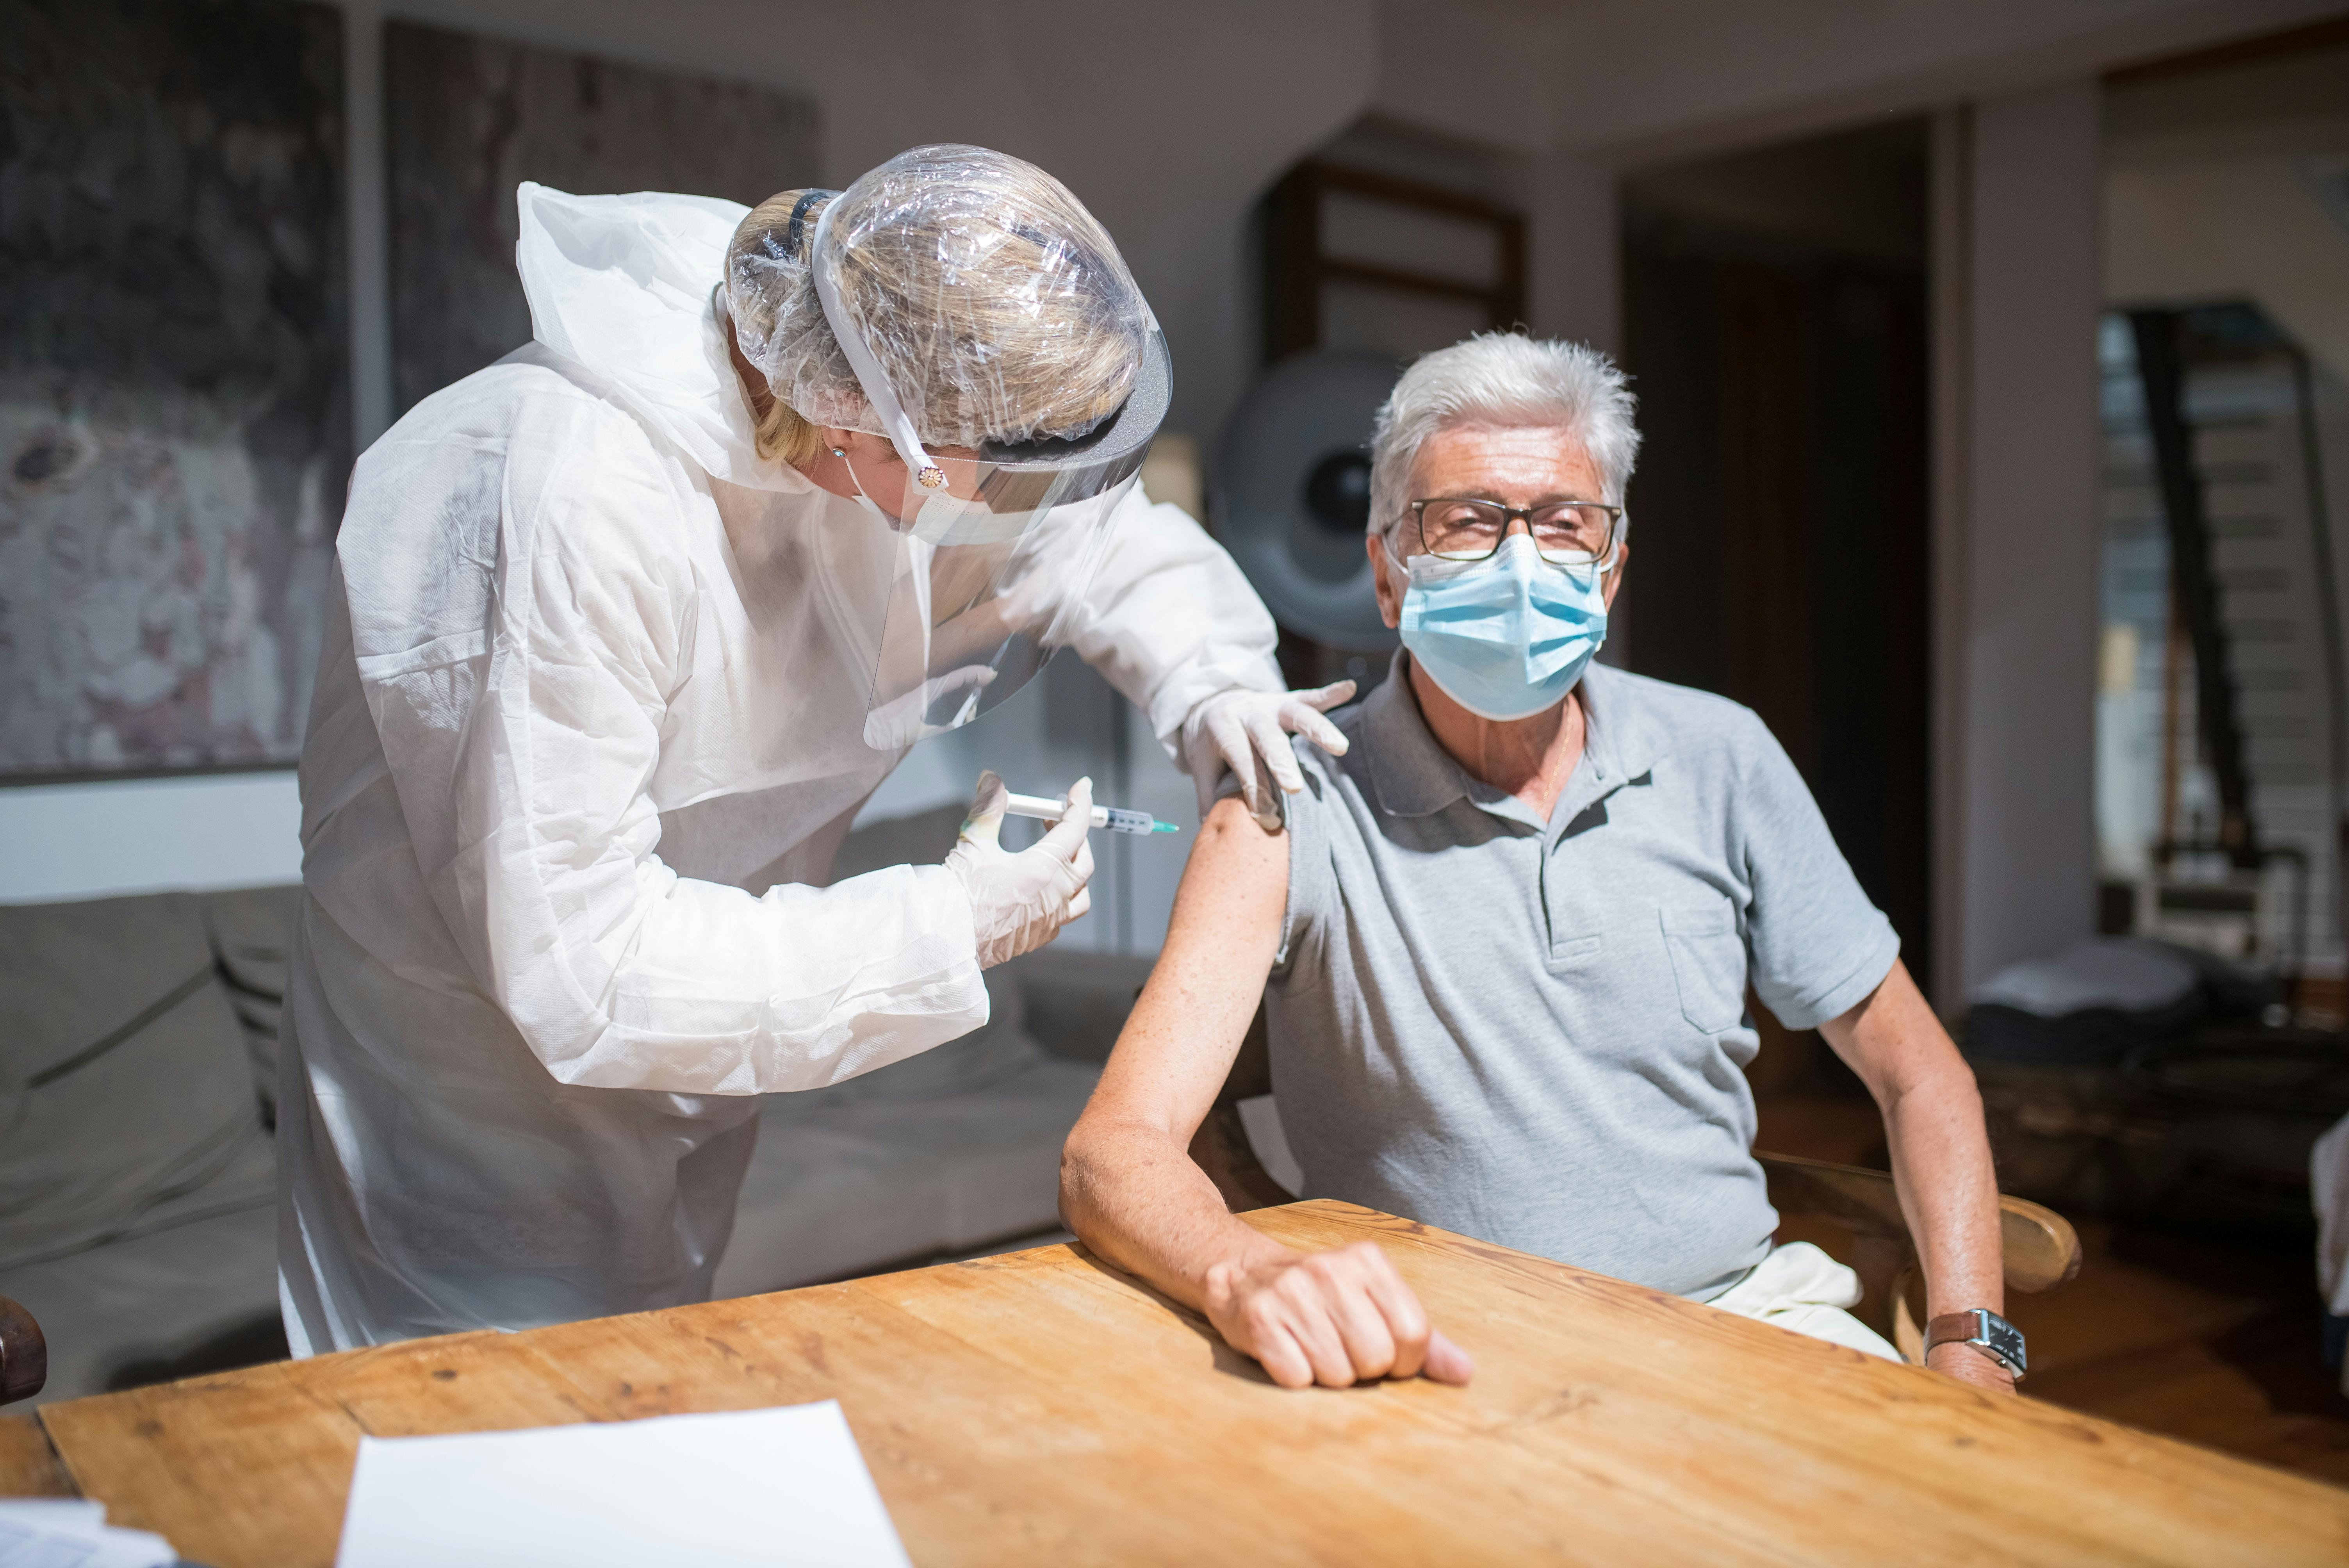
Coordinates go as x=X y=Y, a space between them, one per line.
x=1504 y=940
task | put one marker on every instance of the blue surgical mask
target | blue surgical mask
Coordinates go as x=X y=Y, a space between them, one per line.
x=1507 y=636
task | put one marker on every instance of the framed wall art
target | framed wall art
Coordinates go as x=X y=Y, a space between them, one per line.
x=175 y=404
x=467 y=118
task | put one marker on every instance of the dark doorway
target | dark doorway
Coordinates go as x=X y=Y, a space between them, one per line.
x=1776 y=311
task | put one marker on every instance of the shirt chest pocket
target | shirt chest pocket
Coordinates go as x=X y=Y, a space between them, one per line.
x=1708 y=963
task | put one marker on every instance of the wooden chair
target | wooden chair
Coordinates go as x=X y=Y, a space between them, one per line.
x=2043 y=1251
x=23 y=1354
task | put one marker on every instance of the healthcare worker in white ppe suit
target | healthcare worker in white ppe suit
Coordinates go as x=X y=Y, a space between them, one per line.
x=625 y=628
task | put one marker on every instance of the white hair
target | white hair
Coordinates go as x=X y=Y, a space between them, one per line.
x=1509 y=380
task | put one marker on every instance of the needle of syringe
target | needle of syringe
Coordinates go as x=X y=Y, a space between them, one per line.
x=1115 y=818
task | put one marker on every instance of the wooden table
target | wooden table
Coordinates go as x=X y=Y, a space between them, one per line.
x=1040 y=1407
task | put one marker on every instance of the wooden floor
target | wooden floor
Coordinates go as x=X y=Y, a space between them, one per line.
x=2211 y=1339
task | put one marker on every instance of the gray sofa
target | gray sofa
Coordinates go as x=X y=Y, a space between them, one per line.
x=138 y=1043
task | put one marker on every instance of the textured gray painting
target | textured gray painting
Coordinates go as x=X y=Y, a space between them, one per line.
x=174 y=429
x=468 y=118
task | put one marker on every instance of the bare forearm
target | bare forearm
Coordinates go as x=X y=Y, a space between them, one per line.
x=1129 y=1188
x=1334 y=1317
x=1940 y=1155
x=1128 y=1185
x=1137 y=1198
x=1949 y=1191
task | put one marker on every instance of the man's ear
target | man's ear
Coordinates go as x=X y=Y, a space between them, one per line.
x=1385 y=581
x=1615 y=578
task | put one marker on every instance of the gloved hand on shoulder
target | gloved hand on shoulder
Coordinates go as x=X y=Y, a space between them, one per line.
x=1019 y=902
x=1247 y=732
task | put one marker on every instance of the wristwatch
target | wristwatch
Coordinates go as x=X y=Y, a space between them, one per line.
x=1983 y=1329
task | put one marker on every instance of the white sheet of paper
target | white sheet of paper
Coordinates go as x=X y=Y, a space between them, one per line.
x=53 y=1532
x=782 y=1486
x=74 y=1515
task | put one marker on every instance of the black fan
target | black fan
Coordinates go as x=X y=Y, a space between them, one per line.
x=1293 y=494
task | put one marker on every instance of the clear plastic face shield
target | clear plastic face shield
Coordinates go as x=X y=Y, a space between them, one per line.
x=996 y=548
x=990 y=580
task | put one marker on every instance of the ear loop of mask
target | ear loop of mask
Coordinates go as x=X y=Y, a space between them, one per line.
x=892 y=524
x=940 y=519
x=877 y=390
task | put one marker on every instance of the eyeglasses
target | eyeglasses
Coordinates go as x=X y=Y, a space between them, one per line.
x=1566 y=534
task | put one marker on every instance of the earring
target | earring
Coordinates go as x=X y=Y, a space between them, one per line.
x=838 y=452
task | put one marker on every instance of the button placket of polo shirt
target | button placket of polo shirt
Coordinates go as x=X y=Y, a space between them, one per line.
x=1573 y=944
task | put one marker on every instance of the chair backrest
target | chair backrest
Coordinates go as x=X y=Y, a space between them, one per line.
x=23 y=1354
x=2042 y=1249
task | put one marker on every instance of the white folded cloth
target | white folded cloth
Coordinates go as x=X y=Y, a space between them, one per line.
x=1799 y=1287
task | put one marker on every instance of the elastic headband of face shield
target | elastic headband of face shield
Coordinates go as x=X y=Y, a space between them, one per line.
x=1010 y=478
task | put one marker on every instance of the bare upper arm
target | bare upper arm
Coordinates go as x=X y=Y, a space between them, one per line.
x=1891 y=1038
x=1184 y=1033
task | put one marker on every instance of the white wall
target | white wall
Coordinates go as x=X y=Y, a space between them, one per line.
x=1658 y=79
x=69 y=841
x=2212 y=191
x=2027 y=602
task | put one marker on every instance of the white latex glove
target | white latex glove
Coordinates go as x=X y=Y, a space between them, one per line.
x=1019 y=903
x=1247 y=732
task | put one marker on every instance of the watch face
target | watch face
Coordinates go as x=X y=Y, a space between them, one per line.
x=2004 y=1340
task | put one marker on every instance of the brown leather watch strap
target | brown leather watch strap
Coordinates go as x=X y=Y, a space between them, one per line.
x=1951 y=1326
x=1968 y=1328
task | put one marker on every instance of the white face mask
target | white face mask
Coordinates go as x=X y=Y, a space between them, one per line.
x=949 y=520
x=939 y=517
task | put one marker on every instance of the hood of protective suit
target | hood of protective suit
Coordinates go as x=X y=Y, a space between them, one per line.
x=622 y=286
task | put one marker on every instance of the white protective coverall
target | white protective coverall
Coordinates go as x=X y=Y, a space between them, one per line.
x=586 y=733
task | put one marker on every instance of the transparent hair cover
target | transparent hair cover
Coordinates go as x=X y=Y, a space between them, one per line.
x=965 y=306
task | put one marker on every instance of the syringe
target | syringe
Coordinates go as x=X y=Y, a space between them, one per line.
x=1115 y=820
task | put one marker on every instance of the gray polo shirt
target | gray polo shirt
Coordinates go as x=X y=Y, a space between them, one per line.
x=1534 y=1032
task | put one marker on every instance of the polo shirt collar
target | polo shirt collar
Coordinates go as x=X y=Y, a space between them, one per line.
x=1622 y=731
x=1415 y=777
x=1412 y=773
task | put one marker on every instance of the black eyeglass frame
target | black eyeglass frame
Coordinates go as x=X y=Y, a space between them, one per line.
x=1511 y=514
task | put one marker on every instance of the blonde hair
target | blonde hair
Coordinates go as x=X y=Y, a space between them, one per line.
x=781 y=435
x=998 y=307
x=777 y=431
